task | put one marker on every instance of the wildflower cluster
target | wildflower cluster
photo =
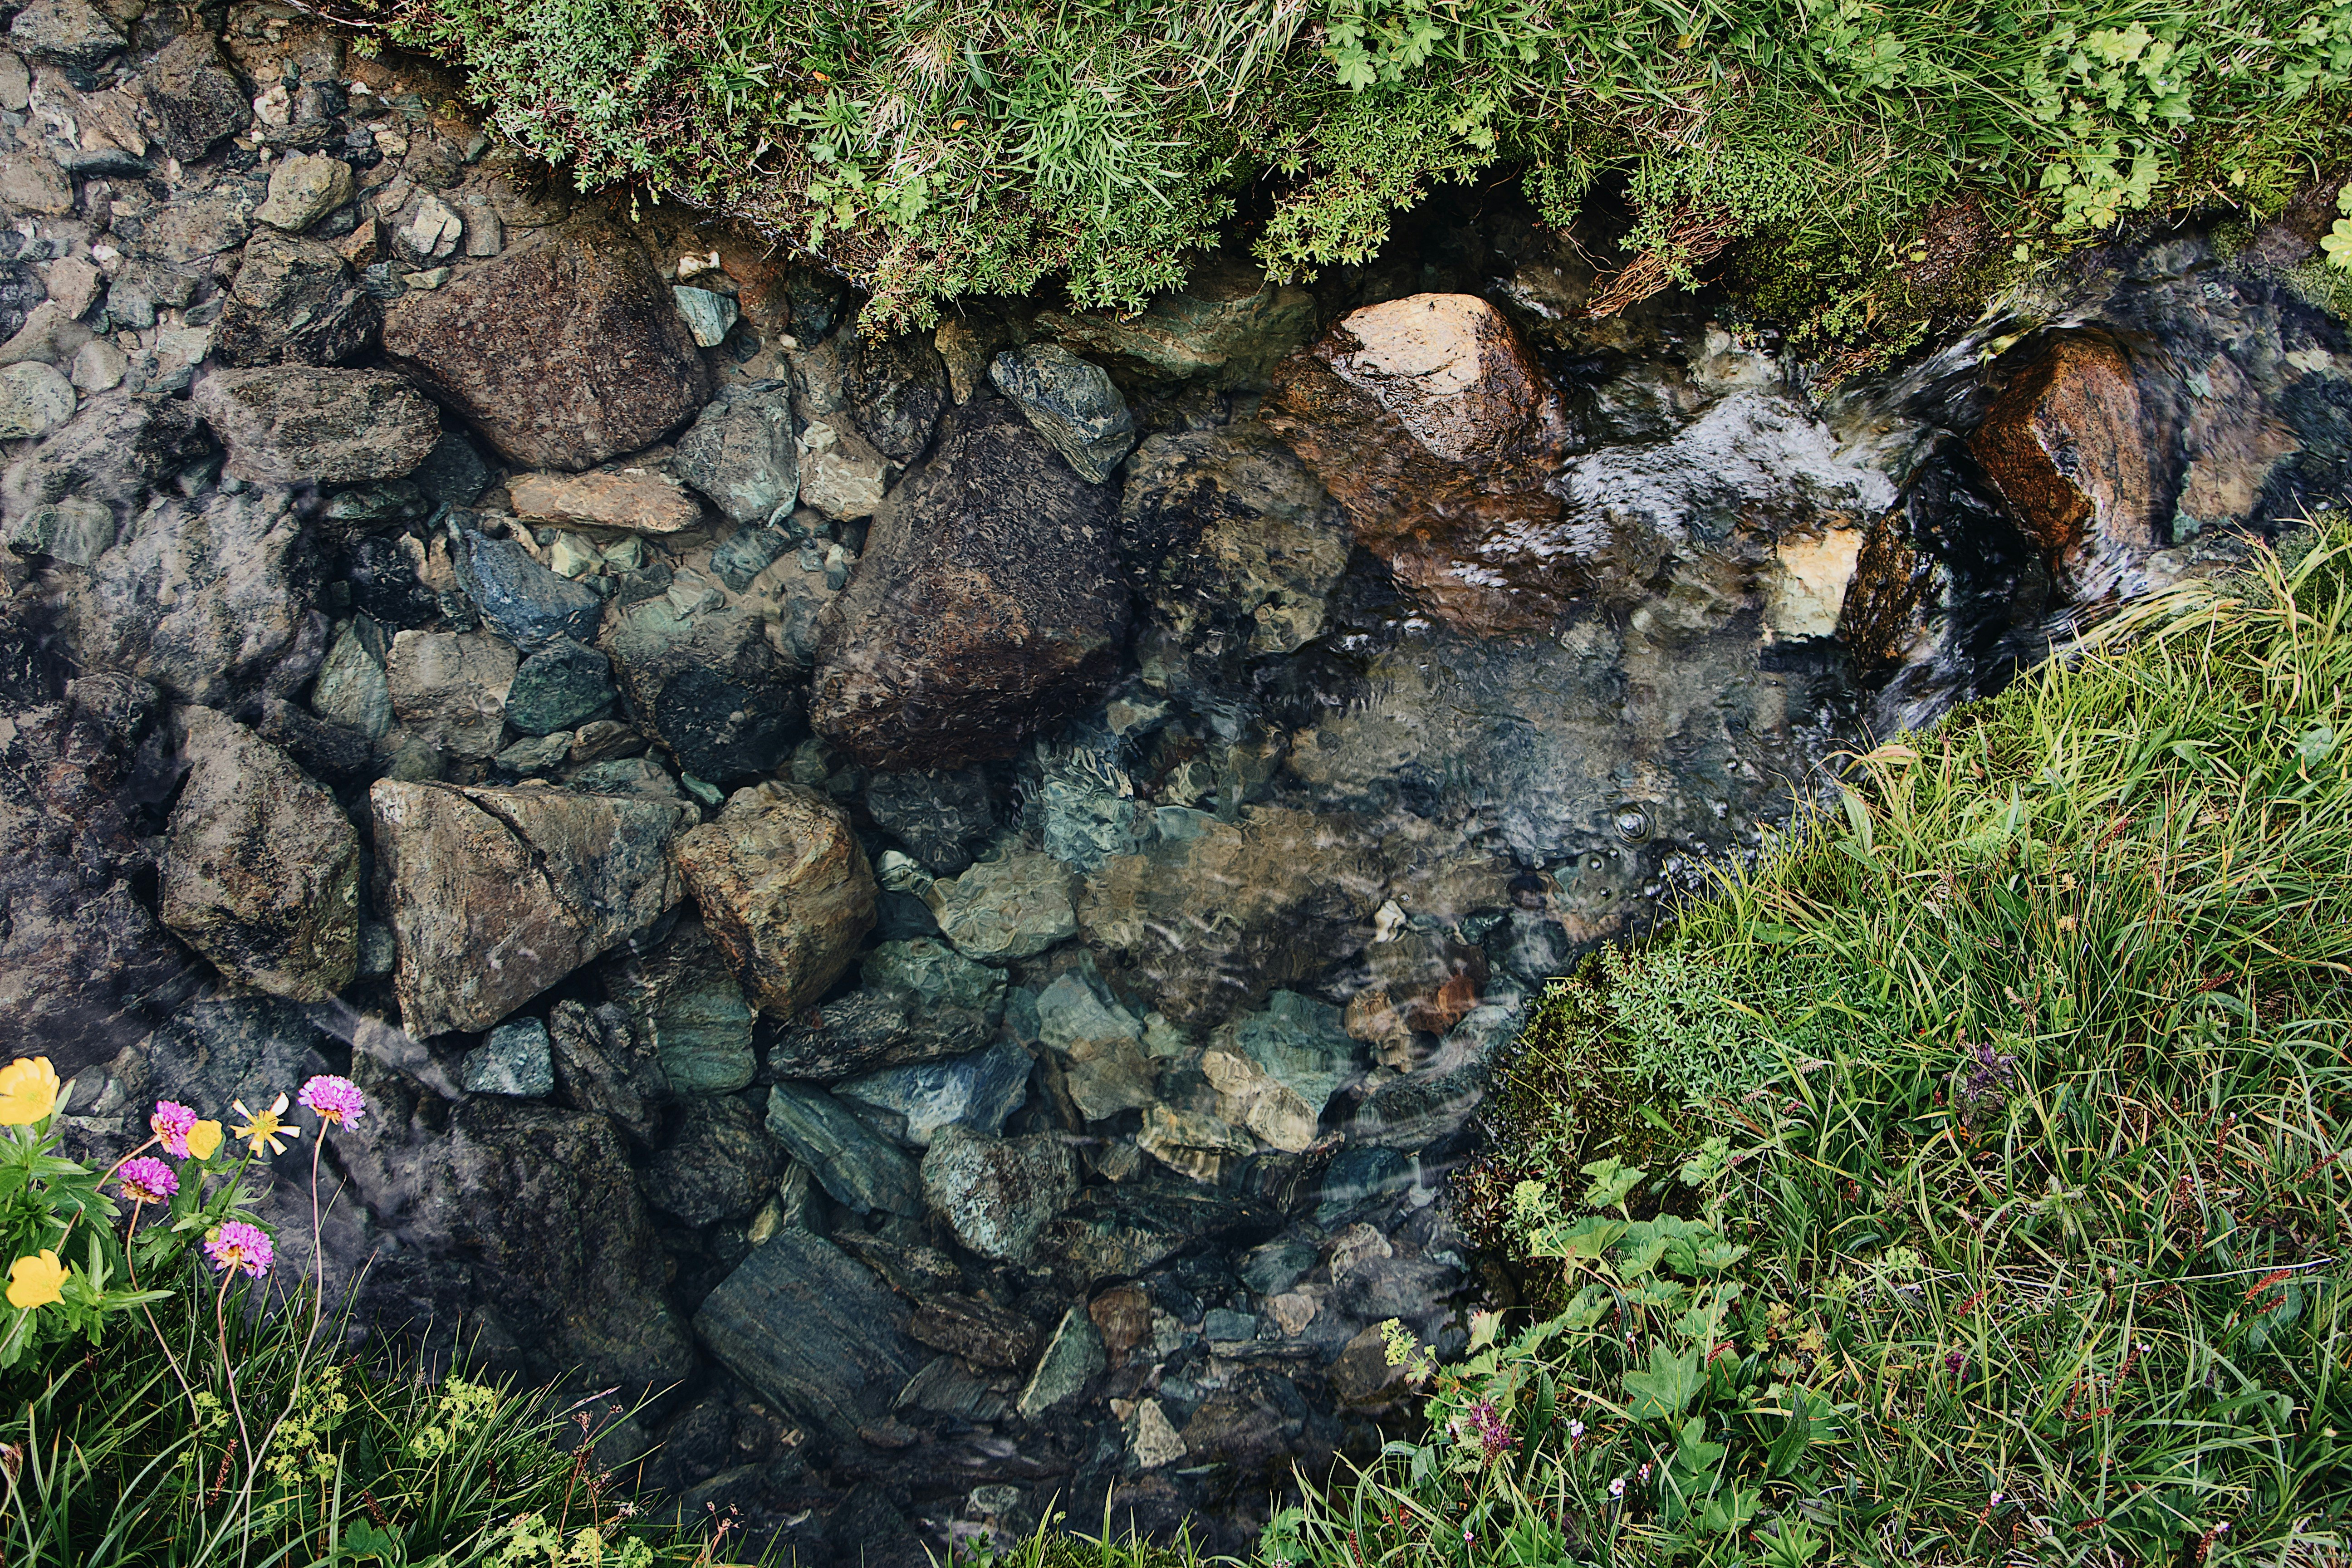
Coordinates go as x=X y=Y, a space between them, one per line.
x=58 y=1218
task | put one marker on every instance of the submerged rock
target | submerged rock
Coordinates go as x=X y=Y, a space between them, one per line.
x=2067 y=446
x=998 y=1194
x=897 y=388
x=636 y=503
x=561 y=687
x=496 y=894
x=1435 y=428
x=1214 y=916
x=1226 y=326
x=720 y=1168
x=262 y=872
x=529 y=605
x=856 y=1169
x=450 y=689
x=976 y=1091
x=516 y=1059
x=784 y=889
x=710 y=685
x=562 y=353
x=1100 y=1045
x=683 y=1002
x=306 y=425
x=813 y=1329
x=1073 y=1359
x=986 y=607
x=1007 y=909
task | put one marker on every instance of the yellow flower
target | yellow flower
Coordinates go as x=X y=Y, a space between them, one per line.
x=29 y=1090
x=203 y=1139
x=36 y=1281
x=264 y=1128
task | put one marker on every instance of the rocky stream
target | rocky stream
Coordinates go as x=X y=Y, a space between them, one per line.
x=943 y=903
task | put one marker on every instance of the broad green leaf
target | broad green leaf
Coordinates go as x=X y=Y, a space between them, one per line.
x=1661 y=1392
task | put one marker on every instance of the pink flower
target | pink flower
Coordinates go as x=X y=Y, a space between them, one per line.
x=237 y=1244
x=335 y=1100
x=148 y=1181
x=170 y=1123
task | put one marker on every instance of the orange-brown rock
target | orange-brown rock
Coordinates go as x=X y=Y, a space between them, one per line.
x=2070 y=450
x=784 y=890
x=1880 y=617
x=1430 y=422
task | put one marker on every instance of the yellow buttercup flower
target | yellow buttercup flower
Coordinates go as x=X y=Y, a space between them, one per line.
x=265 y=1128
x=29 y=1090
x=36 y=1281
x=203 y=1139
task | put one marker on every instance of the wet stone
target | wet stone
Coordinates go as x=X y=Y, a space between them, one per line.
x=939 y=815
x=516 y=1059
x=857 y=1170
x=708 y=315
x=683 y=1002
x=529 y=605
x=1073 y=1359
x=997 y=1194
x=1070 y=403
x=561 y=687
x=980 y=1334
x=1002 y=909
x=720 y=1169
x=976 y=1091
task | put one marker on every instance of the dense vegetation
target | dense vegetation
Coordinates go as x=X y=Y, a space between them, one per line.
x=931 y=148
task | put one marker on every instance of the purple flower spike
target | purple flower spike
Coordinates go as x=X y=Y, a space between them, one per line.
x=147 y=1181
x=237 y=1244
x=170 y=1123
x=334 y=1100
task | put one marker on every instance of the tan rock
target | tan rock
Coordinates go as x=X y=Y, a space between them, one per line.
x=451 y=688
x=1157 y=1444
x=1200 y=1146
x=1249 y=1095
x=638 y=502
x=785 y=891
x=494 y=895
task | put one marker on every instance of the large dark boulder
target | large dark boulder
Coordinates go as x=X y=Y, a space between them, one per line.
x=988 y=605
x=295 y=302
x=563 y=353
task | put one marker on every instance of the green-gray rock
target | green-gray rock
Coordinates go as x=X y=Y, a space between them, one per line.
x=561 y=687
x=1002 y=909
x=516 y=1059
x=1070 y=403
x=352 y=687
x=1074 y=1358
x=936 y=974
x=683 y=1000
x=998 y=1193
x=811 y=1329
x=708 y=315
x=1300 y=1044
x=856 y=1169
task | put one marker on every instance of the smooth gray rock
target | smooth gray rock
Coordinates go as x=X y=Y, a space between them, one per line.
x=1299 y=1042
x=527 y=604
x=683 y=1002
x=318 y=426
x=976 y=1091
x=856 y=1169
x=1069 y=401
x=516 y=1059
x=1100 y=1044
x=743 y=454
x=561 y=687
x=813 y=1331
x=998 y=1194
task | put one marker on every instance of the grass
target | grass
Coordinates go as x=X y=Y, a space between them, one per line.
x=307 y=1460
x=930 y=149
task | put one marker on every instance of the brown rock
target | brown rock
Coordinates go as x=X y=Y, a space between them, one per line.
x=1213 y=922
x=785 y=891
x=1122 y=1315
x=1431 y=423
x=496 y=894
x=640 y=503
x=982 y=1334
x=1879 y=621
x=290 y=426
x=989 y=603
x=262 y=874
x=563 y=354
x=2066 y=446
x=1362 y=1378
